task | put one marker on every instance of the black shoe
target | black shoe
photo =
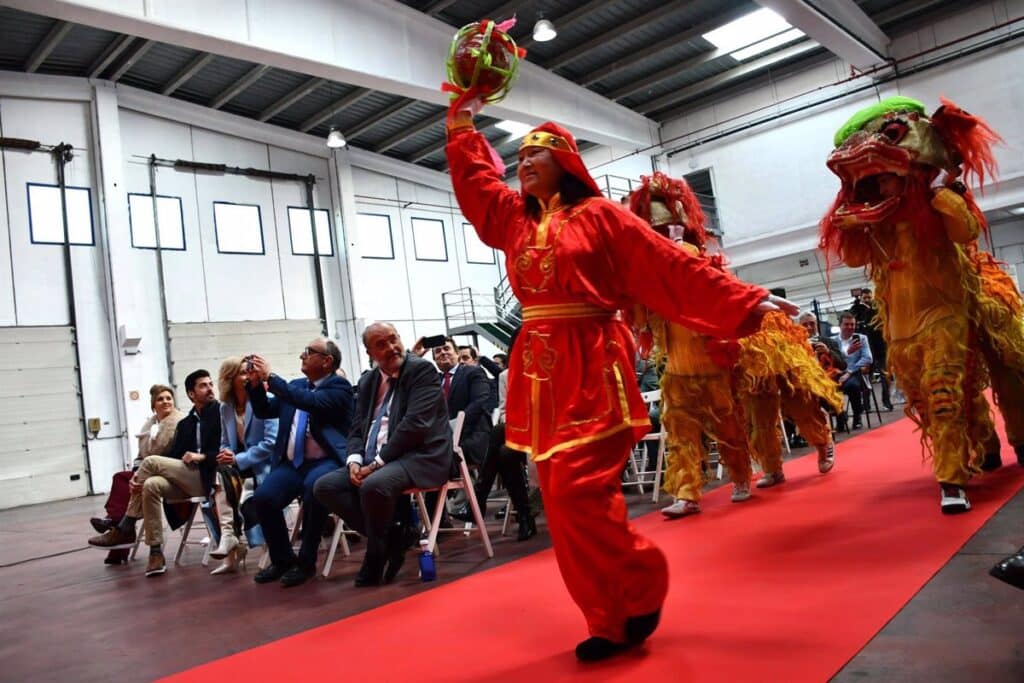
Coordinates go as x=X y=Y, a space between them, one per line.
x=1011 y=570
x=797 y=442
x=857 y=423
x=595 y=649
x=400 y=538
x=1019 y=450
x=119 y=556
x=527 y=528
x=991 y=462
x=297 y=575
x=639 y=629
x=101 y=524
x=371 y=572
x=888 y=406
x=271 y=573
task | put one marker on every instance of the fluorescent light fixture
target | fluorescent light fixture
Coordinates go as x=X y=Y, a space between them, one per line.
x=544 y=31
x=1017 y=210
x=514 y=128
x=747 y=30
x=335 y=139
x=767 y=44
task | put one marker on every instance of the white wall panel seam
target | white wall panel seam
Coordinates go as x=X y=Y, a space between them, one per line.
x=277 y=235
x=199 y=225
x=7 y=212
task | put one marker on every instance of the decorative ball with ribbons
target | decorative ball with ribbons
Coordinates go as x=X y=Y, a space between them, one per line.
x=483 y=61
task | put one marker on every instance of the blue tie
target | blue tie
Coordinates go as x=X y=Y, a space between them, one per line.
x=371 y=445
x=298 y=452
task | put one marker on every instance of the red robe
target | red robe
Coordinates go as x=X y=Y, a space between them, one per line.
x=572 y=379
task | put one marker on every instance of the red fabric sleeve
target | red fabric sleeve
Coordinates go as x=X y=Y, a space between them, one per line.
x=679 y=286
x=486 y=201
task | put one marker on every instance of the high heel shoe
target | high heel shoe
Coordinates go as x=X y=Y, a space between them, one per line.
x=228 y=542
x=234 y=558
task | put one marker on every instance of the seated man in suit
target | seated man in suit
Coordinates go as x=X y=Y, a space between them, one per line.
x=186 y=471
x=465 y=388
x=400 y=439
x=314 y=416
x=858 y=361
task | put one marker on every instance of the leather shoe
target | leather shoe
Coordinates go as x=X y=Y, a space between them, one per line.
x=1011 y=570
x=639 y=628
x=113 y=538
x=371 y=572
x=297 y=575
x=270 y=573
x=595 y=649
x=991 y=462
x=101 y=524
x=527 y=528
x=400 y=539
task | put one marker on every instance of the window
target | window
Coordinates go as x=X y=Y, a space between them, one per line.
x=700 y=183
x=172 y=228
x=476 y=251
x=239 y=228
x=375 y=236
x=428 y=239
x=45 y=223
x=302 y=236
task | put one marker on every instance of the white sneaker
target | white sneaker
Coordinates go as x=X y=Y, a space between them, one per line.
x=681 y=508
x=771 y=479
x=741 y=492
x=953 y=499
x=826 y=458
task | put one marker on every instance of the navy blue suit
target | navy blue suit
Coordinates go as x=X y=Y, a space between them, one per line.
x=330 y=407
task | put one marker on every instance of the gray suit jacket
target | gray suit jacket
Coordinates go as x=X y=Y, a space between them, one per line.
x=419 y=437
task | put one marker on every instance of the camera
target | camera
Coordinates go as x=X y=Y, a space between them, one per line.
x=247 y=363
x=433 y=342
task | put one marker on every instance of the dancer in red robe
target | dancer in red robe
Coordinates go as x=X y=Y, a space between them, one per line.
x=574 y=259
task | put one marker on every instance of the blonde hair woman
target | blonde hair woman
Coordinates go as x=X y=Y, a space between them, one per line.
x=155 y=438
x=246 y=443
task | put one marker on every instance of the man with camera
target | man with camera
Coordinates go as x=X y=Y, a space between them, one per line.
x=858 y=362
x=314 y=414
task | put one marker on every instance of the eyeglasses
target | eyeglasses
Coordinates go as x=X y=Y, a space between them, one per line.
x=309 y=351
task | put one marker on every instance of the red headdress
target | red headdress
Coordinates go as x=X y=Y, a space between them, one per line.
x=680 y=201
x=563 y=148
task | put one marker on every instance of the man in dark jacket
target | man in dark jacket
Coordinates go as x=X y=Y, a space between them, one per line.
x=315 y=414
x=400 y=439
x=187 y=471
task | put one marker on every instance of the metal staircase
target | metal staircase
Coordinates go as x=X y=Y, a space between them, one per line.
x=493 y=315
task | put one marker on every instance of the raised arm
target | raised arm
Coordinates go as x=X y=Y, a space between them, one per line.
x=486 y=201
x=679 y=286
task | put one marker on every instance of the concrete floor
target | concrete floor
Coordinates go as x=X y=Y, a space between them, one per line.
x=68 y=617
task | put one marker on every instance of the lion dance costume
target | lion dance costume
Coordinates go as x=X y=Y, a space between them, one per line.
x=778 y=373
x=951 y=317
x=696 y=385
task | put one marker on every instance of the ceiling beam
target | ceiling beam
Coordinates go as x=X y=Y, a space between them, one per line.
x=434 y=147
x=379 y=117
x=666 y=73
x=438 y=6
x=290 y=99
x=333 y=108
x=109 y=54
x=718 y=80
x=47 y=45
x=407 y=133
x=600 y=40
x=141 y=48
x=563 y=22
x=638 y=56
x=194 y=66
x=840 y=26
x=254 y=74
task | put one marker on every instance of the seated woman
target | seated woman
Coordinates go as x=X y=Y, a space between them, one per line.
x=246 y=444
x=155 y=438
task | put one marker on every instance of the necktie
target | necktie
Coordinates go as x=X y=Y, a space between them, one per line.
x=299 y=450
x=371 y=441
x=446 y=385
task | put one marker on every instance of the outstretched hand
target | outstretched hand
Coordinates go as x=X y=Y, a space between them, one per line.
x=777 y=303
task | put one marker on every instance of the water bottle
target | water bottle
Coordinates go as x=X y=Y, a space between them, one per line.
x=427 y=570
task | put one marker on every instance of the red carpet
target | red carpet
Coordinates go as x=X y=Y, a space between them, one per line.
x=786 y=587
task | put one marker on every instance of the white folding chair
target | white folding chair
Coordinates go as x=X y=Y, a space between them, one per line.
x=464 y=482
x=195 y=503
x=642 y=474
x=340 y=532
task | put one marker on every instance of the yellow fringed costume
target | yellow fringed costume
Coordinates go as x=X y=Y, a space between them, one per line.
x=777 y=371
x=697 y=402
x=951 y=318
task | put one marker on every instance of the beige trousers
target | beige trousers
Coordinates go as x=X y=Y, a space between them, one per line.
x=162 y=479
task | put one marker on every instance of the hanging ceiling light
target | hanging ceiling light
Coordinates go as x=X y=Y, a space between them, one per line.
x=335 y=139
x=544 y=31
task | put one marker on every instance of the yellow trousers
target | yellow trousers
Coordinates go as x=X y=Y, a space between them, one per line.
x=802 y=407
x=693 y=407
